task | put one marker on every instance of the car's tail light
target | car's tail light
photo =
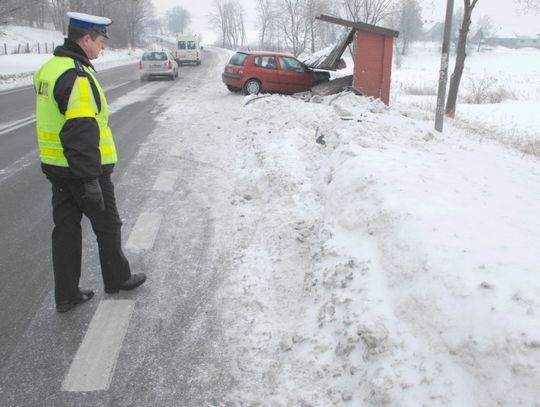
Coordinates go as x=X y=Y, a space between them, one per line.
x=240 y=71
x=169 y=65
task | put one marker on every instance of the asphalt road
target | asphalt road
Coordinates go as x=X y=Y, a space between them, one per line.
x=25 y=216
x=37 y=346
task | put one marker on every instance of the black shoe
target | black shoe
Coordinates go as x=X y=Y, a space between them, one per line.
x=133 y=282
x=82 y=296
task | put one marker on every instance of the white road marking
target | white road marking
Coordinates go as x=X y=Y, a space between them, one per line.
x=93 y=366
x=116 y=86
x=144 y=232
x=165 y=181
x=19 y=89
x=17 y=124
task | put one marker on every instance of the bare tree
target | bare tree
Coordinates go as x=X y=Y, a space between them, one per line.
x=217 y=18
x=58 y=13
x=131 y=21
x=368 y=11
x=455 y=79
x=179 y=19
x=408 y=21
x=228 y=17
x=294 y=25
x=7 y=9
x=330 y=33
x=484 y=30
x=234 y=17
x=314 y=8
x=30 y=12
x=266 y=16
x=529 y=5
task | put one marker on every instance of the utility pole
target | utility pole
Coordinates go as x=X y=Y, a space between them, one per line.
x=443 y=73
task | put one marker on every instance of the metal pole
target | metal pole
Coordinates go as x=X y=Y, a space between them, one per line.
x=443 y=73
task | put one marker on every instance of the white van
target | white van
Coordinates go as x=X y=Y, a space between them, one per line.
x=188 y=49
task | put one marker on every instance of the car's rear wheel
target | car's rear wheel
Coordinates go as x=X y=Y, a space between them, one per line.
x=252 y=87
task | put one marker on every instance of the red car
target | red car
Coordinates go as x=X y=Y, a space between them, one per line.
x=266 y=71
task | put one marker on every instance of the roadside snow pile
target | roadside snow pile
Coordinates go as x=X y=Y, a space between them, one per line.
x=389 y=265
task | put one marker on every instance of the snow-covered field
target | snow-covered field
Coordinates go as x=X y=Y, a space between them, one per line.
x=385 y=264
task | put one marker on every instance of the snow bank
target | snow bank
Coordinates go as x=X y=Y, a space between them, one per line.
x=390 y=265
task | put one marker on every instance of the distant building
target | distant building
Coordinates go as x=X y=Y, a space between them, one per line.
x=514 y=39
x=433 y=31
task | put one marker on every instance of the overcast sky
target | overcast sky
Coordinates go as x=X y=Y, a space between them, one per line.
x=502 y=13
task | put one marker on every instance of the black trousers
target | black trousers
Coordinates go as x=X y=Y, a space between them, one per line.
x=68 y=208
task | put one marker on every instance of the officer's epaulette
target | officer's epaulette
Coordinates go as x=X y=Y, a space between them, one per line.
x=80 y=69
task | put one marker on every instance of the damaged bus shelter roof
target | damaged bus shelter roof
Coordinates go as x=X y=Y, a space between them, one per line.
x=329 y=61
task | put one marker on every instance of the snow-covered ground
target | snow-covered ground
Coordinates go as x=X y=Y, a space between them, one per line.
x=17 y=69
x=385 y=264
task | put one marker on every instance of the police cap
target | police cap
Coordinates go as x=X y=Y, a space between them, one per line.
x=89 y=22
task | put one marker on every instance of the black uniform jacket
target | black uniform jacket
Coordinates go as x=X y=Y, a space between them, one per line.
x=79 y=136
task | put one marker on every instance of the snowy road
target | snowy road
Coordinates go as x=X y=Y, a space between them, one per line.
x=25 y=201
x=172 y=327
x=300 y=252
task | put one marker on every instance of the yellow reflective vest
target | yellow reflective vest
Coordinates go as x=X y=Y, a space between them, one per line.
x=50 y=121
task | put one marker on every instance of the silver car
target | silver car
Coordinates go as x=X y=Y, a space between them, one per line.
x=155 y=64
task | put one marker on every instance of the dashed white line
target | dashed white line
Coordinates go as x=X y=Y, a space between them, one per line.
x=94 y=363
x=144 y=232
x=165 y=181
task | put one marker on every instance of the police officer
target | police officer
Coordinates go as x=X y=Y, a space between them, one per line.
x=78 y=153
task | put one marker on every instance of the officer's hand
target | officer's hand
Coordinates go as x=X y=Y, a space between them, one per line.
x=93 y=195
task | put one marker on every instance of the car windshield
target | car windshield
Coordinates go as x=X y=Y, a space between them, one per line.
x=154 y=56
x=238 y=59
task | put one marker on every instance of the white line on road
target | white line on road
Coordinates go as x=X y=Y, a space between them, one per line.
x=15 y=125
x=20 y=89
x=165 y=181
x=144 y=232
x=94 y=363
x=18 y=165
x=116 y=86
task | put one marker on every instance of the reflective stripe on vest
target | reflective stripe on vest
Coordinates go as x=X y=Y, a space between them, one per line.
x=49 y=120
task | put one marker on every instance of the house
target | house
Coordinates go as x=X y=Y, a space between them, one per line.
x=433 y=31
x=511 y=38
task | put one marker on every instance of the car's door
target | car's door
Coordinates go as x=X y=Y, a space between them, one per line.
x=293 y=76
x=265 y=69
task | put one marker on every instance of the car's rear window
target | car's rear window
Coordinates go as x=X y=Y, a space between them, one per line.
x=238 y=59
x=154 y=56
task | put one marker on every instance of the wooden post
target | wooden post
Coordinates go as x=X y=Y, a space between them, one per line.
x=443 y=73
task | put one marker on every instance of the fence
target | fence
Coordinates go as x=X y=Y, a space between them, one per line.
x=27 y=48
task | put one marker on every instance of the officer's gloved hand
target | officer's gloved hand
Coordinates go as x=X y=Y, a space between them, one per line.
x=92 y=194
